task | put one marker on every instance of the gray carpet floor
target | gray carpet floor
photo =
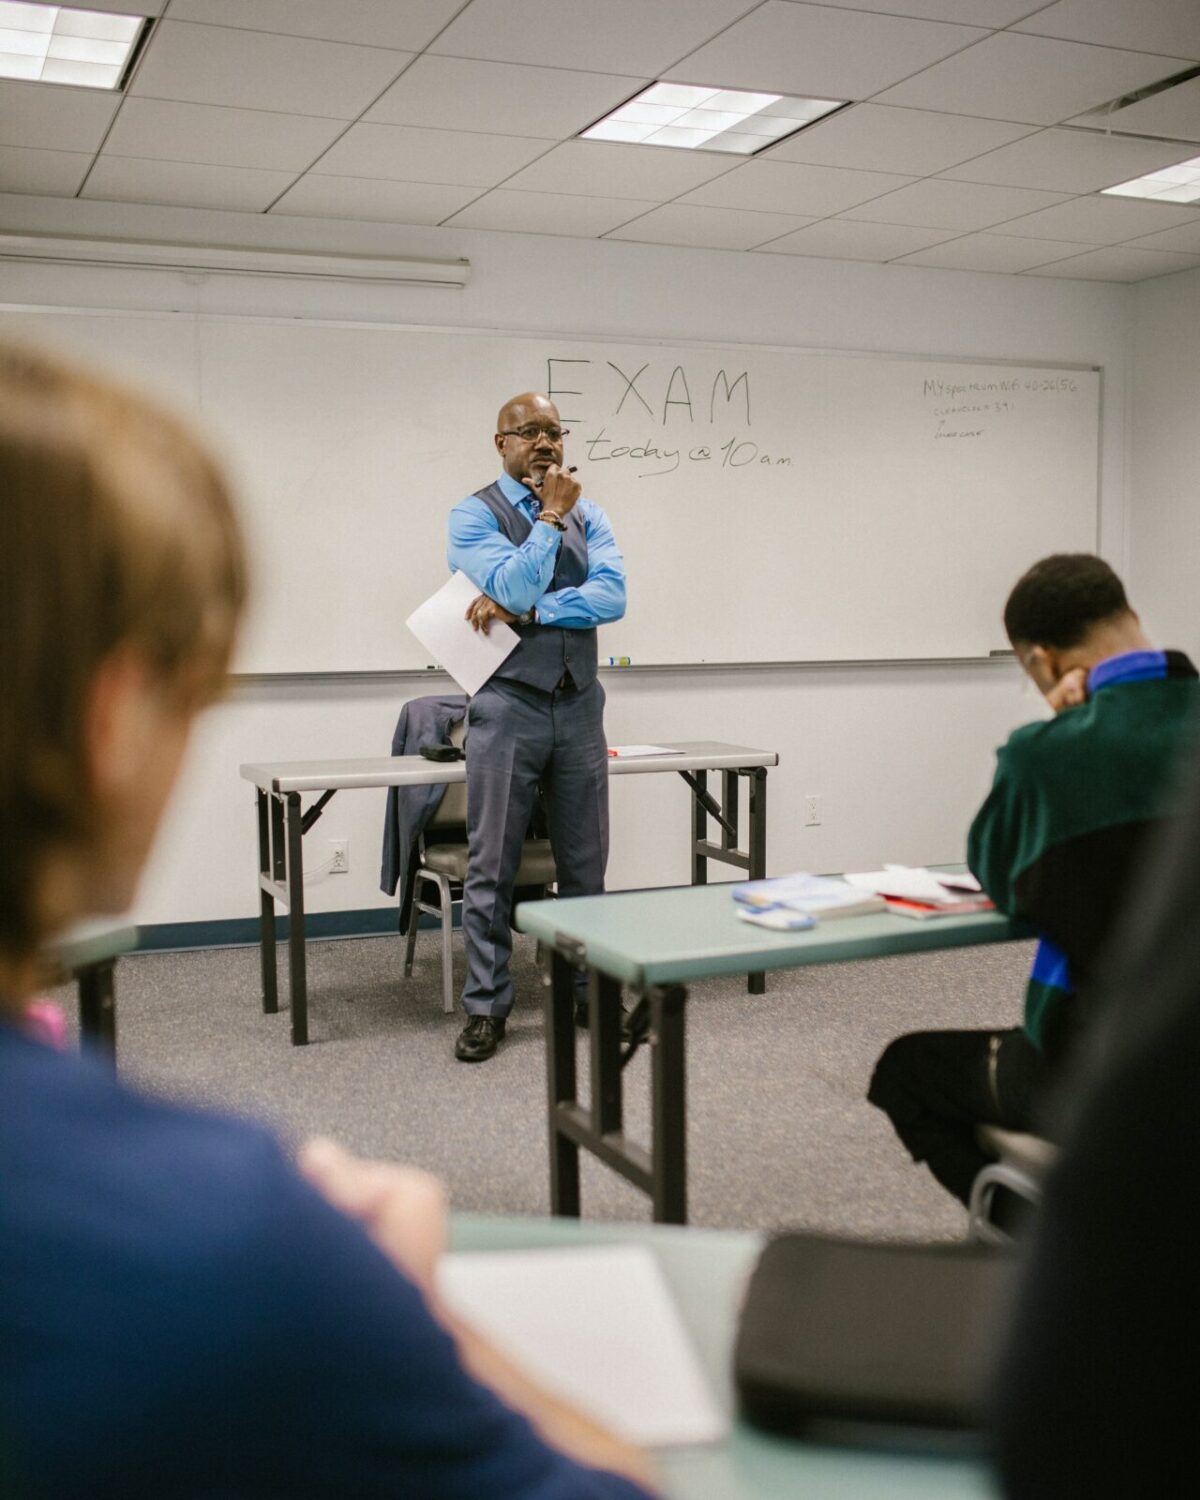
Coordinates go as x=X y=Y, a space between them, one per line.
x=778 y=1128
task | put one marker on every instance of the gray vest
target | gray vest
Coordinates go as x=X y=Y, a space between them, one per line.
x=548 y=652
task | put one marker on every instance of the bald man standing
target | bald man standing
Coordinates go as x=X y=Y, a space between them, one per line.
x=546 y=563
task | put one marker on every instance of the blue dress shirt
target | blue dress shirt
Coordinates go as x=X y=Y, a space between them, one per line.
x=517 y=577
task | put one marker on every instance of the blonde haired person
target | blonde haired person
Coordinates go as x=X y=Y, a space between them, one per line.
x=182 y=1313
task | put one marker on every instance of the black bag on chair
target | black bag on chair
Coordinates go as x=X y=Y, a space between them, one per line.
x=839 y=1331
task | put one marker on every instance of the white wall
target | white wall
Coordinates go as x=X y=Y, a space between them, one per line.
x=900 y=755
x=1165 y=469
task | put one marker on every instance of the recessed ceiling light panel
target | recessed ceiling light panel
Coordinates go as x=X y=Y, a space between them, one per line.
x=697 y=117
x=53 y=44
x=1177 y=184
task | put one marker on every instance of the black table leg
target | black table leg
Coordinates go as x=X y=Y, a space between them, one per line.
x=668 y=1100
x=266 y=907
x=699 y=828
x=757 y=850
x=98 y=1008
x=660 y=1172
x=560 y=1079
x=295 y=886
x=758 y=823
x=604 y=1014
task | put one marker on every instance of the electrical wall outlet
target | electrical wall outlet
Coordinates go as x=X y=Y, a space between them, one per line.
x=812 y=810
x=339 y=856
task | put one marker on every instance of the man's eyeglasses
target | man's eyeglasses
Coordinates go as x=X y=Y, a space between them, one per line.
x=530 y=433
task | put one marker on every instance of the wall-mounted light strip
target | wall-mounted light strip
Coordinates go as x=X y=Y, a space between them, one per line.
x=402 y=270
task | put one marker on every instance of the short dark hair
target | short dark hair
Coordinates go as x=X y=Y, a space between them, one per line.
x=1061 y=598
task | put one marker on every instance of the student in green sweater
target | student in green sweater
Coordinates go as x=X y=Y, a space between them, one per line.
x=1056 y=842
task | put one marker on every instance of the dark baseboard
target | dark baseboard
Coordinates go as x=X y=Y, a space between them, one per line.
x=237 y=932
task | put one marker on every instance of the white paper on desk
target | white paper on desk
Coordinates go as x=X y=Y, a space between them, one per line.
x=914 y=883
x=626 y=752
x=441 y=626
x=597 y=1325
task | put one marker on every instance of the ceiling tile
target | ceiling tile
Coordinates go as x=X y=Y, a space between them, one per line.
x=879 y=138
x=1118 y=263
x=712 y=228
x=1151 y=25
x=843 y=239
x=938 y=204
x=127 y=179
x=373 y=23
x=405 y=153
x=54 y=119
x=651 y=173
x=1030 y=78
x=1185 y=239
x=57 y=174
x=992 y=252
x=254 y=70
x=546 y=213
x=320 y=197
x=1101 y=221
x=969 y=12
x=1174 y=112
x=1069 y=161
x=790 y=187
x=639 y=37
x=790 y=48
x=463 y=93
x=161 y=129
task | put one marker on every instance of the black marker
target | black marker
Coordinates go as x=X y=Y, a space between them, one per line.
x=537 y=483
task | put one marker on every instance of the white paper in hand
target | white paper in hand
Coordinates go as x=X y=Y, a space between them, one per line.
x=595 y=1324
x=440 y=624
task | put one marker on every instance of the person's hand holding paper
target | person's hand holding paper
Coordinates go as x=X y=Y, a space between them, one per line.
x=483 y=610
x=468 y=653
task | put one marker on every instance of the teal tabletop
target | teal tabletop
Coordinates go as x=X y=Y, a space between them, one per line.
x=707 y=1270
x=92 y=942
x=693 y=932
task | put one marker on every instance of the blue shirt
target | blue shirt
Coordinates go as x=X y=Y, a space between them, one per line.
x=1130 y=666
x=181 y=1315
x=517 y=577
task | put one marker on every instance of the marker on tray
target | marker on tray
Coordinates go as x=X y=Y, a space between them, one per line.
x=618 y=661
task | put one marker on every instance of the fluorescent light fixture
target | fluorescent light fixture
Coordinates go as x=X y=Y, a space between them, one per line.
x=52 y=44
x=404 y=270
x=698 y=117
x=1177 y=184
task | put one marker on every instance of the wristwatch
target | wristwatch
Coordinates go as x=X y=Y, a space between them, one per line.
x=529 y=617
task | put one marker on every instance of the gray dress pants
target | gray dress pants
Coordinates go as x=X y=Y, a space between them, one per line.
x=520 y=738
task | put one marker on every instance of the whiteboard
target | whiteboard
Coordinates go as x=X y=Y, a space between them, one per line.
x=772 y=504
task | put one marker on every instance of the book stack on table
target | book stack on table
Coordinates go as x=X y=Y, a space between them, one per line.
x=919 y=893
x=790 y=903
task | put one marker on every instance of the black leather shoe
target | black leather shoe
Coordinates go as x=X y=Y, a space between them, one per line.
x=479 y=1038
